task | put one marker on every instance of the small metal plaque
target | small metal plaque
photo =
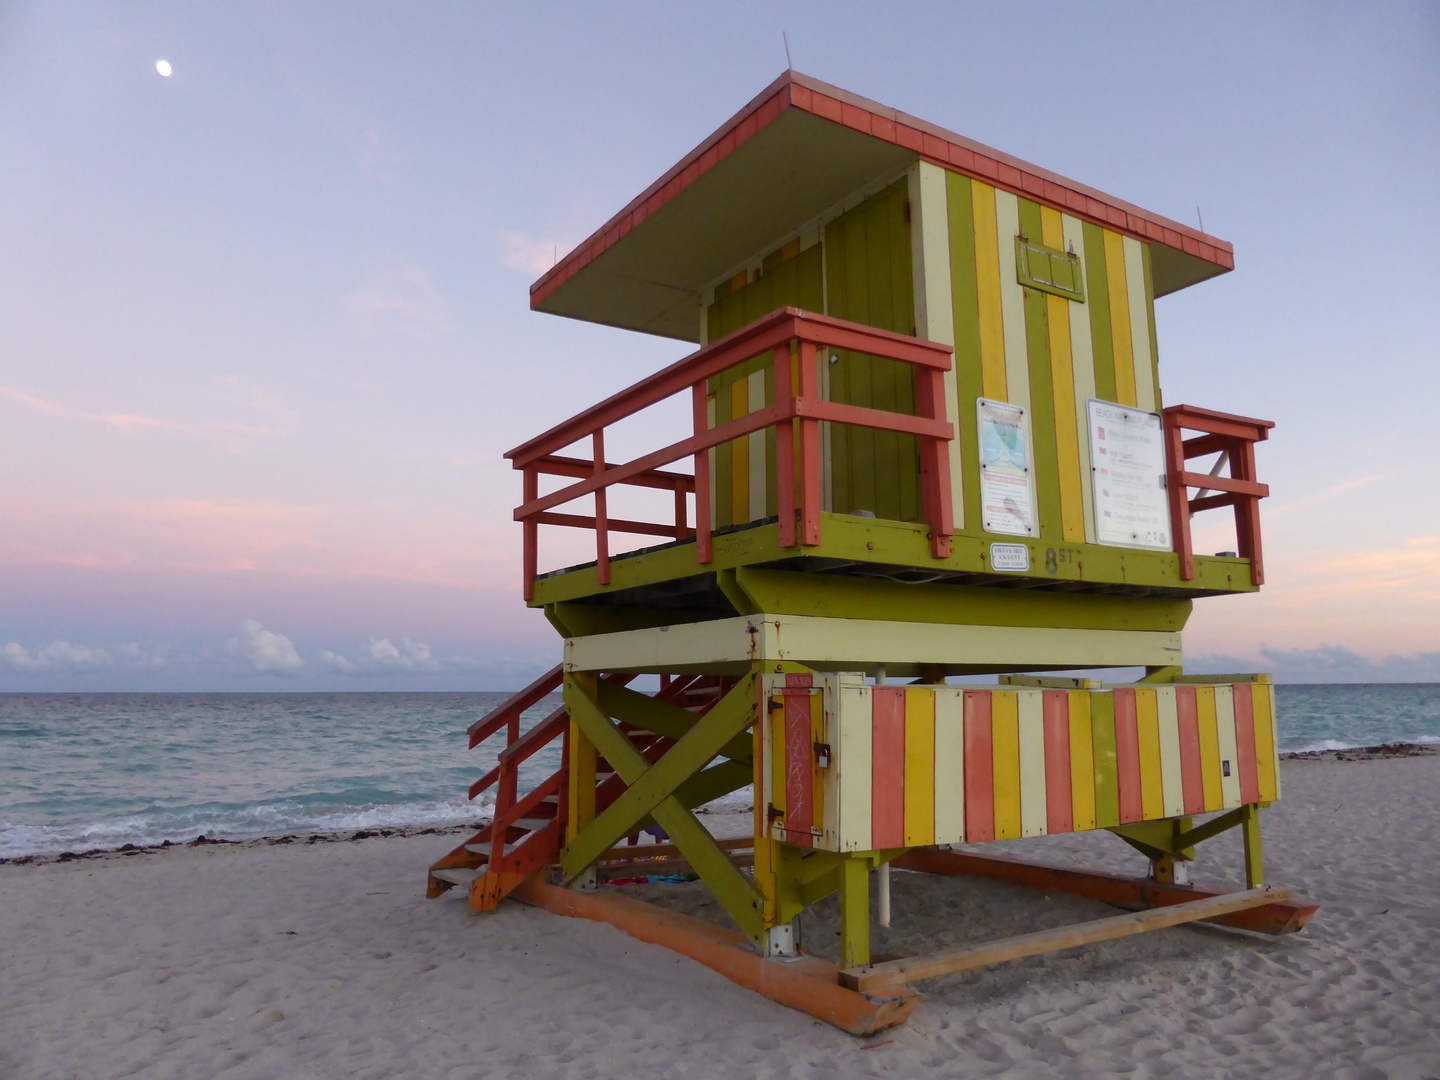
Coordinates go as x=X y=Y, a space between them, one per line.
x=1009 y=557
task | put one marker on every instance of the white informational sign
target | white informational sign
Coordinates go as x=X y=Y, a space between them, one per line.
x=1127 y=475
x=1009 y=557
x=1007 y=489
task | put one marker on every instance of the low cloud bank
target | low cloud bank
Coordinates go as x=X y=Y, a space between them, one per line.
x=1325 y=664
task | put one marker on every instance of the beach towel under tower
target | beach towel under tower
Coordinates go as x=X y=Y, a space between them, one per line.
x=923 y=437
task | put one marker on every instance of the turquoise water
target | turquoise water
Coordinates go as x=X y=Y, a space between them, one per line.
x=80 y=771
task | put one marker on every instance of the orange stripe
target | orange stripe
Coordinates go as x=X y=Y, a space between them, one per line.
x=979 y=768
x=887 y=767
x=1190 y=776
x=1245 y=744
x=1059 y=812
x=799 y=773
x=1127 y=758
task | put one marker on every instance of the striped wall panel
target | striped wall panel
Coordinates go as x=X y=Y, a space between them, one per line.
x=850 y=767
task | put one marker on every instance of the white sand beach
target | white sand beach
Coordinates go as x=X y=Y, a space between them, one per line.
x=325 y=960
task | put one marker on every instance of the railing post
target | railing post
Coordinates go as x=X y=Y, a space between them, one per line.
x=704 y=553
x=530 y=485
x=1247 y=509
x=935 y=463
x=810 y=496
x=784 y=450
x=682 y=527
x=602 y=529
x=1179 y=498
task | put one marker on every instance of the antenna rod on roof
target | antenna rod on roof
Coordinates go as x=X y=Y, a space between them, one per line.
x=1200 y=218
x=789 y=64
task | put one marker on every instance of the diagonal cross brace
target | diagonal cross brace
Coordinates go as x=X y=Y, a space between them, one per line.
x=664 y=718
x=651 y=791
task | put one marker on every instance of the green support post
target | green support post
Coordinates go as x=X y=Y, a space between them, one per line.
x=855 y=912
x=1254 y=866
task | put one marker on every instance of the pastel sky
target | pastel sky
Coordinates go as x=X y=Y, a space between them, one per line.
x=264 y=325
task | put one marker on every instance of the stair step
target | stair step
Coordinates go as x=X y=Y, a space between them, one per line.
x=457 y=875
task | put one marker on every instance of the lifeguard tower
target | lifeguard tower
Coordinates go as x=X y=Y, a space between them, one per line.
x=926 y=439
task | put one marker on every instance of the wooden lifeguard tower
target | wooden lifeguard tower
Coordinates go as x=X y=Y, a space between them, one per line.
x=926 y=439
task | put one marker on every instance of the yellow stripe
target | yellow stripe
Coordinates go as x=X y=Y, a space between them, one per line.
x=1062 y=382
x=1120 y=318
x=1082 y=761
x=1005 y=733
x=755 y=450
x=739 y=455
x=1171 y=778
x=852 y=764
x=1082 y=365
x=987 y=274
x=919 y=768
x=1012 y=302
x=949 y=766
x=1209 y=747
x=1033 y=801
x=1225 y=731
x=1145 y=389
x=1262 y=696
x=1147 y=716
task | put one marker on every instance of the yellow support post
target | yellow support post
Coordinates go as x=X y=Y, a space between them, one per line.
x=855 y=912
x=1254 y=865
x=581 y=783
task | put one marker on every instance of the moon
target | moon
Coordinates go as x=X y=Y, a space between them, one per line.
x=163 y=67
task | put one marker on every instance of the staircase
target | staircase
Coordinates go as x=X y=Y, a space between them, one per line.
x=528 y=830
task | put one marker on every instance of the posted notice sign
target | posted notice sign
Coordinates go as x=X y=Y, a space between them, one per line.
x=1127 y=474
x=1007 y=489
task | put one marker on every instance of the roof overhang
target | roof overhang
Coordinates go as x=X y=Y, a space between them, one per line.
x=799 y=148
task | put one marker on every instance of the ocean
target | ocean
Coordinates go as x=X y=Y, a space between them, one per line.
x=82 y=771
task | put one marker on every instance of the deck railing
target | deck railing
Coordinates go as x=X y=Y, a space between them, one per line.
x=794 y=339
x=1234 y=438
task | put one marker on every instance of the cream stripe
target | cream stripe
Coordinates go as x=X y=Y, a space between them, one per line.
x=830 y=782
x=934 y=307
x=1082 y=357
x=1032 y=763
x=852 y=765
x=1171 y=781
x=756 y=440
x=1225 y=724
x=1139 y=325
x=949 y=766
x=1012 y=302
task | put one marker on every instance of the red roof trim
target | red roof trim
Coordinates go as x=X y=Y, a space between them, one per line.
x=944 y=148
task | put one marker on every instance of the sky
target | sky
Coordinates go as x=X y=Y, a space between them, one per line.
x=265 y=332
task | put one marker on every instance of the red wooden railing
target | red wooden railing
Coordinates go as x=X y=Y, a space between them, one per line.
x=794 y=339
x=1234 y=438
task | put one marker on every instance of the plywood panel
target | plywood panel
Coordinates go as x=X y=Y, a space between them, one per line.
x=1171 y=778
x=1266 y=758
x=1229 y=751
x=1012 y=302
x=979 y=768
x=1033 y=793
x=1082 y=759
x=1059 y=798
x=1005 y=732
x=919 y=768
x=853 y=762
x=991 y=318
x=887 y=768
x=949 y=766
x=1119 y=296
x=1139 y=312
x=1209 y=747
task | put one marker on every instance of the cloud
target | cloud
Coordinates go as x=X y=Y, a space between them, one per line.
x=405 y=300
x=62 y=656
x=527 y=254
x=265 y=650
x=126 y=422
x=1324 y=664
x=383 y=655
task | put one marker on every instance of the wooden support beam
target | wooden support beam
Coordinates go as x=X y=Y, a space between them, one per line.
x=855 y=913
x=809 y=985
x=740 y=899
x=1275 y=918
x=664 y=718
x=899 y=972
x=630 y=852
x=653 y=785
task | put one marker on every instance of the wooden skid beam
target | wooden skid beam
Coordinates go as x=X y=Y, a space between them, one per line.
x=878 y=977
x=1276 y=917
x=810 y=985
